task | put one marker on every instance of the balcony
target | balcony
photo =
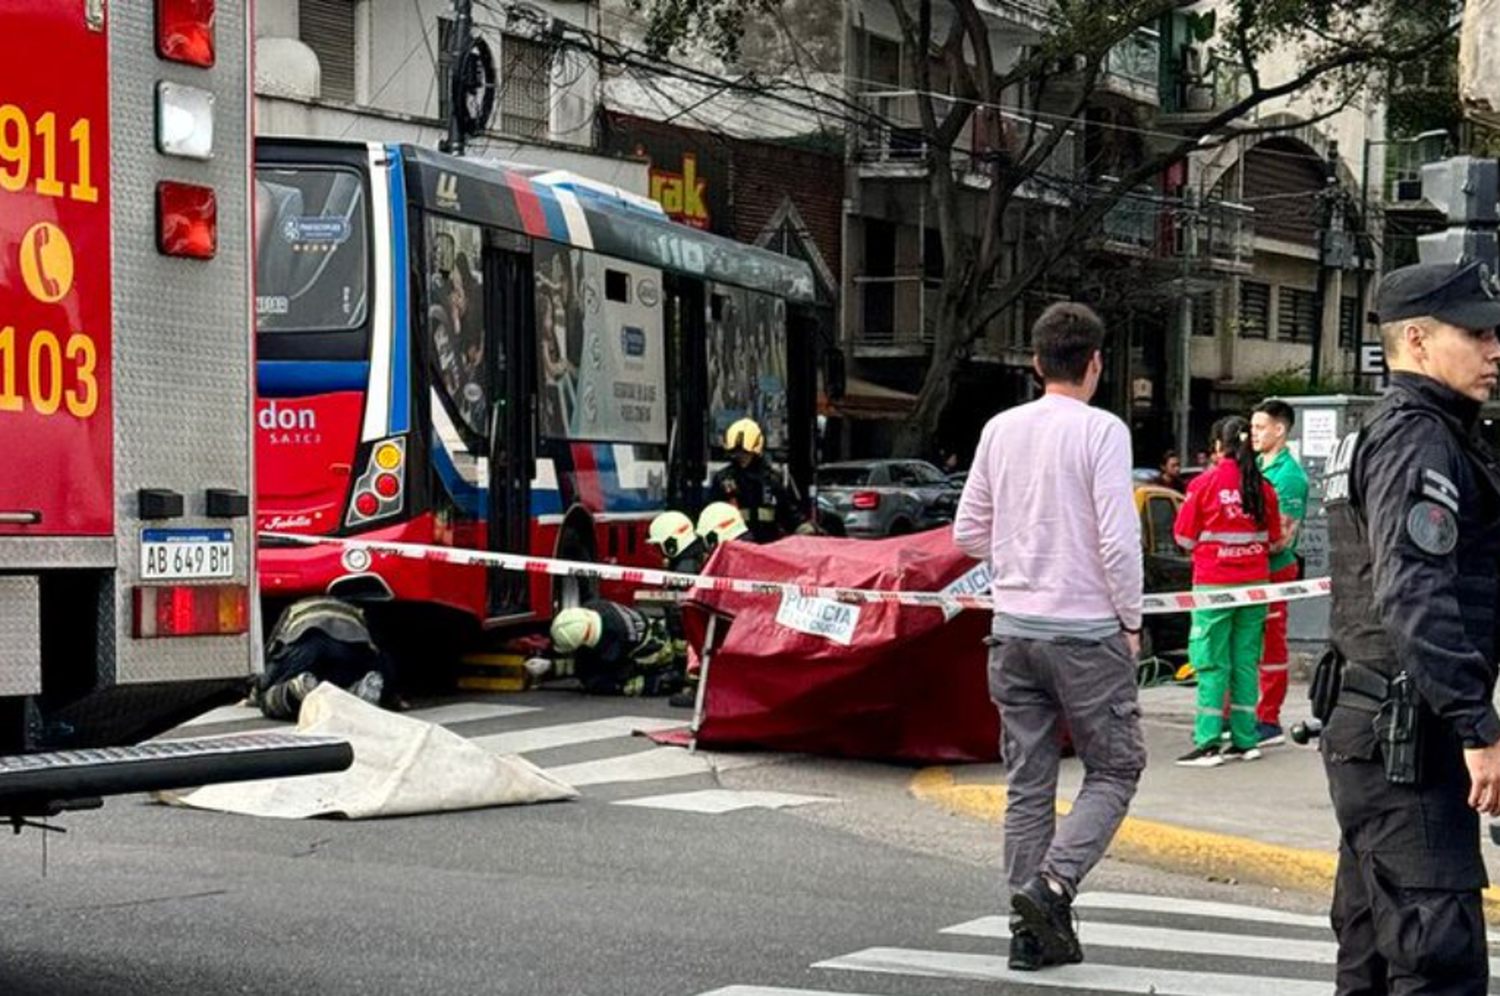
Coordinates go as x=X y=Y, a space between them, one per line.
x=1200 y=84
x=893 y=145
x=1133 y=227
x=1146 y=225
x=896 y=318
x=1132 y=68
x=1131 y=72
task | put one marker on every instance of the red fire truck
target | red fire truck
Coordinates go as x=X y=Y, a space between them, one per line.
x=126 y=557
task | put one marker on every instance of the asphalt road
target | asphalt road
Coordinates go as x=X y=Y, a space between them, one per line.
x=583 y=897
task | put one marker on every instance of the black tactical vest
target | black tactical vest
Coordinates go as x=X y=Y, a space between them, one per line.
x=1359 y=631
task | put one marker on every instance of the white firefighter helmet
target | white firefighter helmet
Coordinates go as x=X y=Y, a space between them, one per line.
x=574 y=628
x=720 y=521
x=744 y=435
x=671 y=532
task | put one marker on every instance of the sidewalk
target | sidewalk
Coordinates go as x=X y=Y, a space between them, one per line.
x=1267 y=821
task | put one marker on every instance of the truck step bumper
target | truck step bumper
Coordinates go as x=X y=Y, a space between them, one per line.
x=40 y=784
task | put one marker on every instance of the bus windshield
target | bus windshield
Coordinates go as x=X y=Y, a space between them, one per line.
x=311 y=250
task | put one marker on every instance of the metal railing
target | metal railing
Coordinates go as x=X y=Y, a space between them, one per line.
x=992 y=138
x=896 y=311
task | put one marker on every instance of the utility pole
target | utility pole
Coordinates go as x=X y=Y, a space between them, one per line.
x=1330 y=250
x=1183 y=383
x=463 y=39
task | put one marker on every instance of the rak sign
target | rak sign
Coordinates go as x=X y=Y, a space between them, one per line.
x=683 y=194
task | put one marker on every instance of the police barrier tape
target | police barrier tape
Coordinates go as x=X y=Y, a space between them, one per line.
x=1154 y=604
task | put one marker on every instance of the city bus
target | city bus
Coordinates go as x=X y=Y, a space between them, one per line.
x=482 y=355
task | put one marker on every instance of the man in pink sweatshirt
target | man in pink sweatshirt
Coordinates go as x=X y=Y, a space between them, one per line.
x=1049 y=503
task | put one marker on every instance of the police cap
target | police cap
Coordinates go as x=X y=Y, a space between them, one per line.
x=1463 y=294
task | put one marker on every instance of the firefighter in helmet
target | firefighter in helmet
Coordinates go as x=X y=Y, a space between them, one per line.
x=317 y=640
x=682 y=550
x=720 y=522
x=616 y=650
x=750 y=483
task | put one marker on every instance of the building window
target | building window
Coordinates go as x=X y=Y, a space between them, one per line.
x=1203 y=314
x=1297 y=315
x=327 y=27
x=524 y=103
x=1255 y=309
x=525 y=87
x=1350 y=327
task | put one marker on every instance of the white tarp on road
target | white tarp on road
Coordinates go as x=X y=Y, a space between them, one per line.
x=402 y=767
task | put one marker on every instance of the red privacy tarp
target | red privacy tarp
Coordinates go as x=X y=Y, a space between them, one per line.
x=857 y=680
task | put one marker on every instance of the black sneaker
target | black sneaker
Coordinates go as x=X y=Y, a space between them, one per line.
x=1025 y=949
x=1232 y=753
x=1048 y=916
x=1210 y=755
x=1269 y=734
x=685 y=699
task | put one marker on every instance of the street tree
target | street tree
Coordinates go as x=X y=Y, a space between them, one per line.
x=1344 y=50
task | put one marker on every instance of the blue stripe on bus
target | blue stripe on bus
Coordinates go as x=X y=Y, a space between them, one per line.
x=468 y=498
x=400 y=408
x=557 y=222
x=546 y=503
x=295 y=378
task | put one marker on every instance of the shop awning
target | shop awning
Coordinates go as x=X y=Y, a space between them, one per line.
x=865 y=400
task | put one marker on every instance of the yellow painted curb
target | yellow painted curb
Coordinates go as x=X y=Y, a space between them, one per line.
x=1167 y=846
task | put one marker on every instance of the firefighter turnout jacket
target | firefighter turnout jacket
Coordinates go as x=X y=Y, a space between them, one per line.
x=768 y=508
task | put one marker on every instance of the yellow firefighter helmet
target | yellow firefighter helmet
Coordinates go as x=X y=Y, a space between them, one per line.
x=744 y=435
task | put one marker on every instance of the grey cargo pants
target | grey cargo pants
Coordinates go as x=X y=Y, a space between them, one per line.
x=1090 y=686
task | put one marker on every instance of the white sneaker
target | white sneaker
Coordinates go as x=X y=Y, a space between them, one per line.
x=370 y=687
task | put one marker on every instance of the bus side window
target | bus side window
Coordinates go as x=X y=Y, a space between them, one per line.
x=617 y=286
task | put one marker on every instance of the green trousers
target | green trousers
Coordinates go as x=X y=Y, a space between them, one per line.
x=1224 y=647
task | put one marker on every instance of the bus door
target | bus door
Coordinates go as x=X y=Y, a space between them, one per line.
x=510 y=285
x=686 y=324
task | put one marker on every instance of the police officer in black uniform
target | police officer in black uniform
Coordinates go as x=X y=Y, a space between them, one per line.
x=1411 y=739
x=752 y=485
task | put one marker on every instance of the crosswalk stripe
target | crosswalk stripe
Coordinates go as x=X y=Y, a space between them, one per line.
x=468 y=712
x=1122 y=935
x=645 y=766
x=571 y=734
x=1137 y=903
x=776 y=991
x=716 y=801
x=455 y=712
x=1095 y=978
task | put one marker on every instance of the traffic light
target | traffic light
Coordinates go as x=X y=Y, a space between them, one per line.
x=1464 y=190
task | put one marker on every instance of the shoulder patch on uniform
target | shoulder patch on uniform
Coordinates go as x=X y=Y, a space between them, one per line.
x=1432 y=528
x=1439 y=488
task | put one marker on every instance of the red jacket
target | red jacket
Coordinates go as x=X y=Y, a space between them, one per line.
x=1228 y=546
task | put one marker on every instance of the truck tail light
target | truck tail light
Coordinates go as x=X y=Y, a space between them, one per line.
x=191 y=610
x=865 y=499
x=185 y=31
x=187 y=220
x=379 y=490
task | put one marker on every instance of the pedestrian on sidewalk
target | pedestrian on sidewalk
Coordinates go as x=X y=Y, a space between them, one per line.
x=1413 y=502
x=1269 y=426
x=1231 y=523
x=1049 y=503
